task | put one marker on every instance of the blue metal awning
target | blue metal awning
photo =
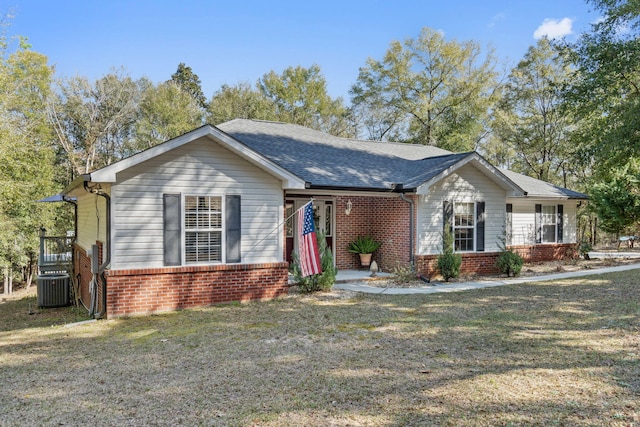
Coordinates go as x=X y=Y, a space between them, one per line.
x=57 y=198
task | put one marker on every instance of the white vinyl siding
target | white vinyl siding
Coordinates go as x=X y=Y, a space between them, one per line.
x=200 y=168
x=523 y=223
x=91 y=222
x=466 y=185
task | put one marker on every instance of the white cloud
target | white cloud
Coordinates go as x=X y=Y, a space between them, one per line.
x=554 y=29
x=496 y=18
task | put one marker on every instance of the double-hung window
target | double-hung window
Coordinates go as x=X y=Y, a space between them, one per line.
x=465 y=221
x=549 y=223
x=202 y=229
x=464 y=227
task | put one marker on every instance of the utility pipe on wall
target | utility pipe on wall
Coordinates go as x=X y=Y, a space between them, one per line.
x=107 y=249
x=411 y=226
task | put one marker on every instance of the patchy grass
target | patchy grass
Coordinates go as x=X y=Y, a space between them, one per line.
x=21 y=311
x=553 y=353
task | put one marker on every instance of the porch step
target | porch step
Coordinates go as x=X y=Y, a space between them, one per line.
x=352 y=276
x=349 y=276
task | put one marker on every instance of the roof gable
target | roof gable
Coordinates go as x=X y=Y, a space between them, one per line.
x=447 y=165
x=109 y=173
x=305 y=158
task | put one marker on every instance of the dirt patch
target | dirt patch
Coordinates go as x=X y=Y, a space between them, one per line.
x=528 y=270
x=554 y=353
x=19 y=293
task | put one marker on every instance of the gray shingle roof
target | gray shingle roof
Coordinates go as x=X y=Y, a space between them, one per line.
x=325 y=160
x=537 y=188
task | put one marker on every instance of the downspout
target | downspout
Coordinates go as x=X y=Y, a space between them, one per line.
x=75 y=275
x=107 y=249
x=411 y=226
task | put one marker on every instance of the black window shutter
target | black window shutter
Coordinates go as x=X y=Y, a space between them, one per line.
x=538 y=223
x=560 y=224
x=480 y=226
x=233 y=228
x=509 y=226
x=172 y=233
x=447 y=222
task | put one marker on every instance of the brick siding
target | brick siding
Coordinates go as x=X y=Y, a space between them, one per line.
x=546 y=252
x=484 y=262
x=386 y=219
x=145 y=291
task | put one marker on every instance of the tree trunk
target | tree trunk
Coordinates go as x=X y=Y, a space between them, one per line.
x=8 y=281
x=28 y=279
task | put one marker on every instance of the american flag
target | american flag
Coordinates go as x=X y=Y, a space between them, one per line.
x=308 y=244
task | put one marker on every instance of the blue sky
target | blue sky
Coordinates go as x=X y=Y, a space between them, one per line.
x=239 y=41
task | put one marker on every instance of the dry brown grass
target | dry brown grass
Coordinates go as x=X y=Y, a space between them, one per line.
x=559 y=353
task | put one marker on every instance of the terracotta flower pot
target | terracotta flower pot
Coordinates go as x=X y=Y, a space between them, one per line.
x=365 y=260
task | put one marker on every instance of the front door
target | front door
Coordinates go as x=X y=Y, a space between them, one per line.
x=323 y=215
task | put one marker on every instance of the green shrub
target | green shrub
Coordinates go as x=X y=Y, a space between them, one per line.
x=317 y=282
x=584 y=249
x=404 y=274
x=364 y=245
x=509 y=263
x=449 y=262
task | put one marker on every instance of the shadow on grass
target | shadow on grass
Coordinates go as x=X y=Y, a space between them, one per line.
x=24 y=313
x=563 y=352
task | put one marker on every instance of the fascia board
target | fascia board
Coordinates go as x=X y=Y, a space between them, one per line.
x=109 y=173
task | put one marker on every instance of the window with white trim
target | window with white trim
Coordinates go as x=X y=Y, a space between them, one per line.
x=464 y=227
x=549 y=224
x=202 y=229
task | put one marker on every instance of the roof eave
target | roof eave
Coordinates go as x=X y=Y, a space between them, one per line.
x=390 y=189
x=108 y=174
x=552 y=197
x=76 y=183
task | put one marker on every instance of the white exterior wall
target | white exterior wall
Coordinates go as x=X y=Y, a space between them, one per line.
x=201 y=167
x=523 y=220
x=91 y=222
x=468 y=184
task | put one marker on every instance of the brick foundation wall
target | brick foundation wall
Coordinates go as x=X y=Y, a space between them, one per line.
x=484 y=262
x=386 y=219
x=83 y=276
x=550 y=252
x=132 y=292
x=472 y=263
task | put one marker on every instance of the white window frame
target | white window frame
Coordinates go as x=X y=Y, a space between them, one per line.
x=549 y=219
x=204 y=229
x=473 y=227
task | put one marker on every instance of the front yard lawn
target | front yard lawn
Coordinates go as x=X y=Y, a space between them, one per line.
x=550 y=353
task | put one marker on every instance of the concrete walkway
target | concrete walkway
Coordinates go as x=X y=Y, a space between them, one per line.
x=361 y=285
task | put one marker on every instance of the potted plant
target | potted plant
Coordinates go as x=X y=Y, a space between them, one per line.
x=364 y=246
